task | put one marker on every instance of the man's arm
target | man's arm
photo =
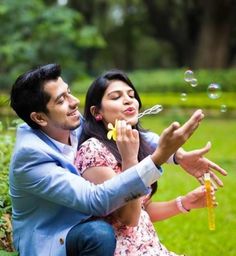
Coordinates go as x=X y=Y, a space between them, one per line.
x=193 y=162
x=40 y=175
x=196 y=164
x=36 y=172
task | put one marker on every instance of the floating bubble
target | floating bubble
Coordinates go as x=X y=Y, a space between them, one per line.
x=223 y=108
x=183 y=96
x=214 y=91
x=188 y=76
x=194 y=82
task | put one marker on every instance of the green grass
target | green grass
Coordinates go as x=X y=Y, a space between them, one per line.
x=3 y=253
x=188 y=233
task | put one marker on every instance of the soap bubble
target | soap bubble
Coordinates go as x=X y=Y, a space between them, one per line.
x=223 y=108
x=193 y=82
x=188 y=76
x=214 y=91
x=183 y=96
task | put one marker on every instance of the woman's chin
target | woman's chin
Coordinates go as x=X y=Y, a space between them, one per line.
x=132 y=121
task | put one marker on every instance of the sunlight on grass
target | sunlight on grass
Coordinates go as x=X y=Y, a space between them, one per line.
x=188 y=233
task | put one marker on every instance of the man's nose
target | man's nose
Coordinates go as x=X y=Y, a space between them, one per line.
x=74 y=100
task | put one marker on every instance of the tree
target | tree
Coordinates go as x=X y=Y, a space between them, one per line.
x=216 y=28
x=199 y=31
x=41 y=34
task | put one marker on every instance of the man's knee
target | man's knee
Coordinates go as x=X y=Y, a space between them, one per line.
x=103 y=232
x=95 y=237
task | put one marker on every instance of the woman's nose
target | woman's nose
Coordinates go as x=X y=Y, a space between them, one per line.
x=127 y=99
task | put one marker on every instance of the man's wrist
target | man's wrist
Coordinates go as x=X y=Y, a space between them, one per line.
x=148 y=171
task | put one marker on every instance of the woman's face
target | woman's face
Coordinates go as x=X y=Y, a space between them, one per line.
x=119 y=103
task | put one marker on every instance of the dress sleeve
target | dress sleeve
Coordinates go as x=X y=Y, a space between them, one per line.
x=92 y=153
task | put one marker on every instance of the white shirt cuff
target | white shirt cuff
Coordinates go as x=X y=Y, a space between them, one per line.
x=148 y=171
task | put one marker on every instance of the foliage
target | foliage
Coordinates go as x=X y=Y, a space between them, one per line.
x=173 y=80
x=149 y=34
x=86 y=37
x=4 y=253
x=6 y=146
x=42 y=34
x=169 y=80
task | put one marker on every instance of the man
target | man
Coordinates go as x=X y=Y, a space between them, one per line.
x=52 y=206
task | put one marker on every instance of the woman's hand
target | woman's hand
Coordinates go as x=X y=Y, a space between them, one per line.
x=197 y=198
x=127 y=141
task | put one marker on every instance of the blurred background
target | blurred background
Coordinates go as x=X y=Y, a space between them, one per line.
x=88 y=36
x=178 y=53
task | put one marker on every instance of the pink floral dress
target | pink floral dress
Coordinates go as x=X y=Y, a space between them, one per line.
x=133 y=241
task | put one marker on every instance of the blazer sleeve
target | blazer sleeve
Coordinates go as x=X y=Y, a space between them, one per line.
x=34 y=171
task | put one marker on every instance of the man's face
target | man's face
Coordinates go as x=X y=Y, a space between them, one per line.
x=63 y=114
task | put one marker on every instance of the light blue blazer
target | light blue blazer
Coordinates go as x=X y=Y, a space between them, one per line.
x=49 y=197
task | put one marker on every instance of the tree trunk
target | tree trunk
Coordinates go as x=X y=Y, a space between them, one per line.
x=212 y=48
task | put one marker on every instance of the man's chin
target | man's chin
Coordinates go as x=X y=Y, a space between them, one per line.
x=75 y=125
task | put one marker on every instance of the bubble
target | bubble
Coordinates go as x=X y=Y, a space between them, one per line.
x=188 y=75
x=183 y=96
x=214 y=91
x=193 y=82
x=223 y=108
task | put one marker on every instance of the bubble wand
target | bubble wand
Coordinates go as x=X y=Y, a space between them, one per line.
x=210 y=207
x=150 y=111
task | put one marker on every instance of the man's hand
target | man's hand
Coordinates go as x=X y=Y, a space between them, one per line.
x=196 y=164
x=173 y=137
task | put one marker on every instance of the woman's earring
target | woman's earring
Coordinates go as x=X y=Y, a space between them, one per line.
x=98 y=118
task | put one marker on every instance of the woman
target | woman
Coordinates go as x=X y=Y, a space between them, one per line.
x=113 y=97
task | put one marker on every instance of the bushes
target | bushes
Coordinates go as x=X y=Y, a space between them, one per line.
x=6 y=146
x=172 y=80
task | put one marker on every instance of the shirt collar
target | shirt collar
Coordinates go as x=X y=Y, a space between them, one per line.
x=69 y=151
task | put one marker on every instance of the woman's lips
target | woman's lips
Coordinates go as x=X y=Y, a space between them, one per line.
x=130 y=111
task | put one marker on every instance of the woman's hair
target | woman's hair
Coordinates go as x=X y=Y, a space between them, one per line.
x=94 y=128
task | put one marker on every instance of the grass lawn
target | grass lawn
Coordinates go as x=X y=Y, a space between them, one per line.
x=3 y=253
x=188 y=233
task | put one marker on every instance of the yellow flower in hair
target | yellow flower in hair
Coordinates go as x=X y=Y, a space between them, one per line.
x=112 y=133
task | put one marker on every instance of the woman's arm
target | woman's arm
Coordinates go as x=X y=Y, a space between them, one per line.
x=128 y=145
x=164 y=210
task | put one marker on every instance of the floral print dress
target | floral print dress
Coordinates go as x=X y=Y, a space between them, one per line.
x=132 y=241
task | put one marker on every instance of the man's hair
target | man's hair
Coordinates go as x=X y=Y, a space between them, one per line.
x=28 y=95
